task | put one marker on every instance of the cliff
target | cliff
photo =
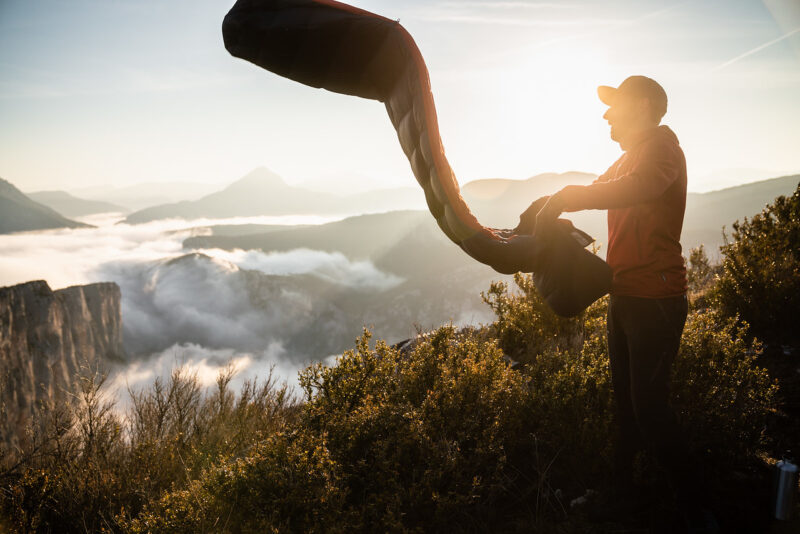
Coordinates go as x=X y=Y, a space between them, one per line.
x=45 y=338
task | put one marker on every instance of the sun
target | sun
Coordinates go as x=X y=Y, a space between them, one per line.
x=535 y=111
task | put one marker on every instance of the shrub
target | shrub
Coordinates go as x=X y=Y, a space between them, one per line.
x=71 y=473
x=526 y=326
x=759 y=280
x=286 y=483
x=86 y=465
x=423 y=441
x=701 y=277
x=722 y=396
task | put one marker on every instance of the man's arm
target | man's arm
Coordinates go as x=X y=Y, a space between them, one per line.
x=658 y=169
x=527 y=219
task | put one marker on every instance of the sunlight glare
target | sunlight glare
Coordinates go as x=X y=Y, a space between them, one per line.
x=550 y=95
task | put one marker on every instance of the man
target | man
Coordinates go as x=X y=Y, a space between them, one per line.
x=644 y=192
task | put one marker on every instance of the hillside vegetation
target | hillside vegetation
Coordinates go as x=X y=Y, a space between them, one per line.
x=441 y=435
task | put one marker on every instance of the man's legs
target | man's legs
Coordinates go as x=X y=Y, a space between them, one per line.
x=628 y=438
x=643 y=338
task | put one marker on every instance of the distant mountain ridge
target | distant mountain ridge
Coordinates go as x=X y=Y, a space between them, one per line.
x=497 y=202
x=264 y=193
x=72 y=206
x=499 y=188
x=359 y=237
x=18 y=213
x=366 y=235
x=144 y=195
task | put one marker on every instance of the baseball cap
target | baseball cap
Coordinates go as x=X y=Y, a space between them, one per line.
x=636 y=87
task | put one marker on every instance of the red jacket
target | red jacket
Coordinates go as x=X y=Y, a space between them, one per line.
x=644 y=192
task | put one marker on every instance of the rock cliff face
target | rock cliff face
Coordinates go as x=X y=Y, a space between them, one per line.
x=45 y=338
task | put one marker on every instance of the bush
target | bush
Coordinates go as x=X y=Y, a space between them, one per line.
x=86 y=465
x=759 y=280
x=286 y=483
x=701 y=277
x=423 y=441
x=722 y=396
x=526 y=327
x=570 y=385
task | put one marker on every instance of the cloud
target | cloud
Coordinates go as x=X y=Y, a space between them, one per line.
x=756 y=49
x=333 y=267
x=212 y=307
x=240 y=300
x=205 y=364
x=71 y=256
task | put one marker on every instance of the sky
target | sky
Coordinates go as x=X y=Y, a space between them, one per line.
x=124 y=91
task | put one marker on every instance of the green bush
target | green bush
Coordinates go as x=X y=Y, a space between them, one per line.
x=759 y=281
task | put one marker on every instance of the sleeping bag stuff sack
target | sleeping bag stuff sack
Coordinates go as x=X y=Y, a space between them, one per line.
x=338 y=47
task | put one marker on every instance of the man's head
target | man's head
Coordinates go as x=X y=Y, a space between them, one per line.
x=637 y=104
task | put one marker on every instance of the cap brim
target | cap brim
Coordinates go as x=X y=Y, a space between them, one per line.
x=607 y=94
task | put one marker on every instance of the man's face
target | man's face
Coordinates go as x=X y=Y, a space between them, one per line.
x=626 y=116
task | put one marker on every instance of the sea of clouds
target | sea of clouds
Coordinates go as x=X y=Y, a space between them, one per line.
x=195 y=311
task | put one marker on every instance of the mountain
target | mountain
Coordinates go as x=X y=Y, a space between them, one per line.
x=722 y=178
x=72 y=206
x=261 y=192
x=373 y=236
x=18 y=213
x=398 y=198
x=359 y=237
x=434 y=280
x=46 y=337
x=707 y=213
x=497 y=202
x=146 y=194
x=264 y=193
x=336 y=182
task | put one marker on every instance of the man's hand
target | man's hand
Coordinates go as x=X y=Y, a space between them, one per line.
x=548 y=214
x=527 y=219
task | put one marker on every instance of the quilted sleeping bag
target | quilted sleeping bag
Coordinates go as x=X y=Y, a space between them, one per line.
x=341 y=48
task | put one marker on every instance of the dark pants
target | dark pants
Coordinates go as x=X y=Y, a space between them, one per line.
x=643 y=339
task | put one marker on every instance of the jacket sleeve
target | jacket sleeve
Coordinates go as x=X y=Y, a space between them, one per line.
x=657 y=167
x=606 y=176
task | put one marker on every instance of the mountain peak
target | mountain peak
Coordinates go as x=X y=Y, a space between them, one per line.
x=260 y=177
x=19 y=213
x=9 y=190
